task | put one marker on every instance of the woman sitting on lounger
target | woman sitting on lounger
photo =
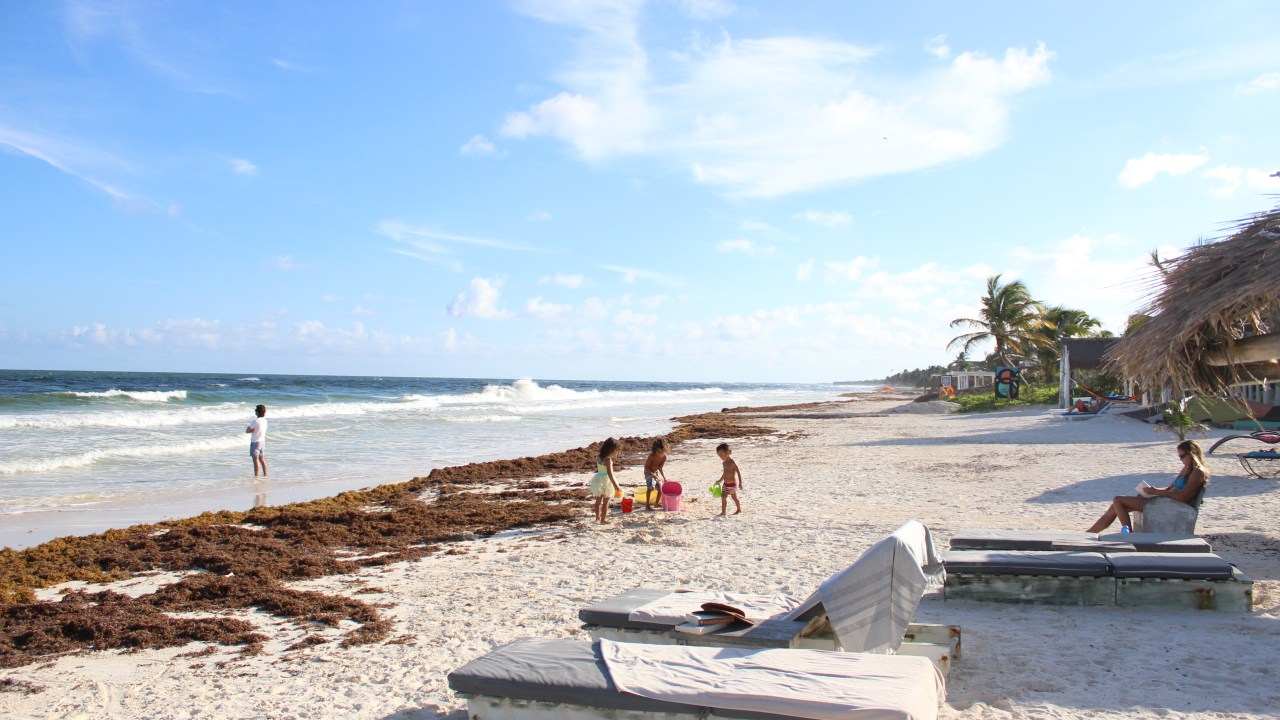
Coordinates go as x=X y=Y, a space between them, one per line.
x=1186 y=485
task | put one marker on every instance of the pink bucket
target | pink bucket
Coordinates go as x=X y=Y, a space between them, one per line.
x=671 y=492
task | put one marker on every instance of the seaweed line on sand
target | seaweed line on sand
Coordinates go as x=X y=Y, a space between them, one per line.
x=242 y=560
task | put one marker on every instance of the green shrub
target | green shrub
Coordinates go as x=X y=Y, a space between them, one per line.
x=988 y=402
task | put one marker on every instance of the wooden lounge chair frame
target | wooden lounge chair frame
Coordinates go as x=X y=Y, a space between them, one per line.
x=1233 y=594
x=939 y=643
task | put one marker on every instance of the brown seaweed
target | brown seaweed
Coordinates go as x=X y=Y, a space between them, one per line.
x=242 y=560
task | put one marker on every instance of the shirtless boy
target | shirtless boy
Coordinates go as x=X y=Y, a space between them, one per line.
x=654 y=475
x=730 y=480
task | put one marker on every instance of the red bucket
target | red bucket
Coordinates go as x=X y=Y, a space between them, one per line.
x=627 y=504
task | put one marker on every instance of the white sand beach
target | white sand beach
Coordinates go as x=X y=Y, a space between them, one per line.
x=816 y=495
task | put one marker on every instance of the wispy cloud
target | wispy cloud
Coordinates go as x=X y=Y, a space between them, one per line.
x=402 y=232
x=937 y=47
x=1230 y=179
x=630 y=275
x=538 y=216
x=851 y=270
x=745 y=247
x=292 y=66
x=830 y=119
x=1265 y=82
x=804 y=270
x=75 y=160
x=149 y=37
x=573 y=281
x=438 y=248
x=283 y=263
x=1140 y=171
x=827 y=219
x=479 y=146
x=241 y=166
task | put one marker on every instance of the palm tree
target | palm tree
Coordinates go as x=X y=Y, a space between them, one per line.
x=1063 y=322
x=1056 y=324
x=1010 y=318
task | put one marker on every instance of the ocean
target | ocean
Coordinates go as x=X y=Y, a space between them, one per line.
x=86 y=451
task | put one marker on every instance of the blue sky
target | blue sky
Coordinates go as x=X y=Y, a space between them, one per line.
x=668 y=190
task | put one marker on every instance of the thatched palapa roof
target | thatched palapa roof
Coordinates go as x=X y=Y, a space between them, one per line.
x=1214 y=314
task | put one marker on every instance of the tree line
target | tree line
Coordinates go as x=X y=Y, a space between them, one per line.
x=1023 y=331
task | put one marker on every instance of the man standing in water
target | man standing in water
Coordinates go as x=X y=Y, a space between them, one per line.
x=258 y=440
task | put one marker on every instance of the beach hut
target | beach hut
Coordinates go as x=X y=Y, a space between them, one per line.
x=1214 y=314
x=1081 y=354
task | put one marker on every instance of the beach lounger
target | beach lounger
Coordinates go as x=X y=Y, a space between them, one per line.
x=1201 y=581
x=867 y=607
x=1060 y=540
x=1077 y=415
x=570 y=679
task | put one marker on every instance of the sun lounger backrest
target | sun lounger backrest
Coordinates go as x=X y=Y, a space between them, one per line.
x=870 y=603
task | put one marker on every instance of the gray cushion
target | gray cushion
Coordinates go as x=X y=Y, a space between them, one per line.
x=1161 y=542
x=615 y=611
x=988 y=539
x=555 y=671
x=1187 y=566
x=564 y=671
x=1025 y=562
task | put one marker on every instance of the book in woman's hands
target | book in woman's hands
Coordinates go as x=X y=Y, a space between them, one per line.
x=1143 y=488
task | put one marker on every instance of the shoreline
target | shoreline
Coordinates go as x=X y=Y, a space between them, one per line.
x=274 y=544
x=811 y=504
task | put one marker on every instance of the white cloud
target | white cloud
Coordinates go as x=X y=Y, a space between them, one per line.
x=594 y=309
x=755 y=226
x=630 y=275
x=283 y=263
x=1140 y=171
x=937 y=46
x=746 y=247
x=851 y=270
x=573 y=282
x=1231 y=179
x=362 y=311
x=479 y=300
x=537 y=308
x=1265 y=82
x=479 y=146
x=240 y=166
x=82 y=162
x=432 y=246
x=538 y=216
x=707 y=9
x=805 y=270
x=202 y=336
x=607 y=111
x=96 y=333
x=830 y=118
x=451 y=339
x=827 y=219
x=292 y=66
x=626 y=316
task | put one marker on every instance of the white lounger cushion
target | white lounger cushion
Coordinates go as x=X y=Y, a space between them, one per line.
x=792 y=683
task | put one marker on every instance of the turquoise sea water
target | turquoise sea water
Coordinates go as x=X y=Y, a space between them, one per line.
x=86 y=450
